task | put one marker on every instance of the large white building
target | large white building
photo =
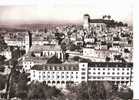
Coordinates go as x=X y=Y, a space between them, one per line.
x=7 y=53
x=39 y=54
x=96 y=24
x=61 y=74
x=100 y=54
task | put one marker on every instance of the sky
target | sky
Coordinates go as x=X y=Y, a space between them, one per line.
x=66 y=10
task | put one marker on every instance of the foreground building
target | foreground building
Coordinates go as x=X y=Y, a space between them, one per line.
x=61 y=74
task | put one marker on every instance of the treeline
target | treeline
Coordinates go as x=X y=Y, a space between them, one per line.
x=112 y=23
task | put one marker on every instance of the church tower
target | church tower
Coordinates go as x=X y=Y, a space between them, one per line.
x=86 y=24
x=28 y=41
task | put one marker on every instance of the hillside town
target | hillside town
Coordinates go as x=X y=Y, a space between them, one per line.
x=66 y=57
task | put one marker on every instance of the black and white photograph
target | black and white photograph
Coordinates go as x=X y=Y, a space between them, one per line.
x=67 y=50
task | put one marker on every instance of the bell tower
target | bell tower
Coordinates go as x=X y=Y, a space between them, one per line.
x=86 y=24
x=28 y=41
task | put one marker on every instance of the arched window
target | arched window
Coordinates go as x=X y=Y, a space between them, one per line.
x=58 y=82
x=53 y=82
x=62 y=82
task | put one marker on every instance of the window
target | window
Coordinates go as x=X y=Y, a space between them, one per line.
x=76 y=76
x=98 y=68
x=94 y=73
x=94 y=77
x=62 y=82
x=108 y=73
x=83 y=68
x=89 y=68
x=123 y=69
x=98 y=72
x=83 y=73
x=113 y=73
x=39 y=77
x=113 y=69
x=103 y=68
x=117 y=73
x=98 y=77
x=103 y=73
x=58 y=82
x=83 y=77
x=118 y=77
x=57 y=76
x=122 y=73
x=122 y=77
x=89 y=77
x=113 y=77
x=89 y=72
x=127 y=68
x=62 y=76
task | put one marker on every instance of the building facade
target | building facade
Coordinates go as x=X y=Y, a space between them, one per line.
x=61 y=74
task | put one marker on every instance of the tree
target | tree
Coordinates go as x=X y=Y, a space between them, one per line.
x=108 y=59
x=2 y=59
x=63 y=46
x=73 y=47
x=54 y=60
x=3 y=45
x=76 y=58
x=59 y=37
x=2 y=82
x=22 y=87
x=42 y=91
x=66 y=56
x=126 y=95
x=90 y=91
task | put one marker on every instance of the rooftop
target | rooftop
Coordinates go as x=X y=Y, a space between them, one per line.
x=56 y=67
x=109 y=64
x=99 y=21
x=45 y=48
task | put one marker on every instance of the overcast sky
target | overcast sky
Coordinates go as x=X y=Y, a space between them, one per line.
x=67 y=10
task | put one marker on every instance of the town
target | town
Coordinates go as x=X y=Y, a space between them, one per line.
x=65 y=56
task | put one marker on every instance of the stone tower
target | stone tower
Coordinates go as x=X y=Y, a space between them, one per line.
x=86 y=24
x=28 y=41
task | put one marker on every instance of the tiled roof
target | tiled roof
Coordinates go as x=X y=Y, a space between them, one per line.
x=109 y=64
x=56 y=67
x=46 y=48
